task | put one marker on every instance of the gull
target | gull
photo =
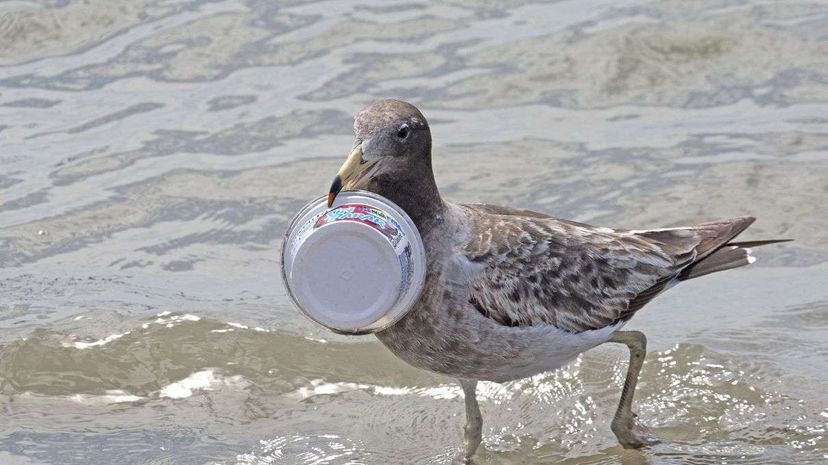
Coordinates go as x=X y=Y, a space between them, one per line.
x=512 y=293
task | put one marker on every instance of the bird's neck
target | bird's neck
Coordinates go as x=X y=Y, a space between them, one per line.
x=420 y=200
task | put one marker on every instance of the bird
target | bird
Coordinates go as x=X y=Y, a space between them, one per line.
x=511 y=293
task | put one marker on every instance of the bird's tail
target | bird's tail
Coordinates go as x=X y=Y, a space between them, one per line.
x=727 y=256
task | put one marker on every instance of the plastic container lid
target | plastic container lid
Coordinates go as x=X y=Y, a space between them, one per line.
x=357 y=267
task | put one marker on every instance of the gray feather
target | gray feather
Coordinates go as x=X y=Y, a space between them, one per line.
x=720 y=260
x=536 y=269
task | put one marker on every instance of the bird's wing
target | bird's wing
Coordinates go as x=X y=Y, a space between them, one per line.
x=531 y=269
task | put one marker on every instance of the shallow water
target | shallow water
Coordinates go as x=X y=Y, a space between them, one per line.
x=152 y=152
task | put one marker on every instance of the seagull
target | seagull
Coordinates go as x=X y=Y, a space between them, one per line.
x=512 y=293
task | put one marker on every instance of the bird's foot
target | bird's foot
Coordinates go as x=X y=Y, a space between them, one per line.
x=631 y=433
x=473 y=436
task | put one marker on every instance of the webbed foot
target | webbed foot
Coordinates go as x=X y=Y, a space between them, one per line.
x=631 y=433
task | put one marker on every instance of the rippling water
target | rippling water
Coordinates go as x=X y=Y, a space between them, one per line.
x=151 y=153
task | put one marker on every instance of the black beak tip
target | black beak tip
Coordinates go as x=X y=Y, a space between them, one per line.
x=335 y=188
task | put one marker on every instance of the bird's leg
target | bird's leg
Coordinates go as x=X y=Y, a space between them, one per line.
x=630 y=433
x=473 y=430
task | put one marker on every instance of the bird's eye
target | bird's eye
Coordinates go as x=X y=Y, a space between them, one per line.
x=403 y=132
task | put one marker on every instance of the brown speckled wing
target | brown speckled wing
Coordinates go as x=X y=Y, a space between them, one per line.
x=535 y=269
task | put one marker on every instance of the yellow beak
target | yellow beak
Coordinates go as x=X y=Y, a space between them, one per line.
x=350 y=168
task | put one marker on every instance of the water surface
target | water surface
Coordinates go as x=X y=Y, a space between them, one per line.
x=152 y=152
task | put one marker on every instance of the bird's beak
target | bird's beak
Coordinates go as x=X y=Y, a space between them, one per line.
x=353 y=165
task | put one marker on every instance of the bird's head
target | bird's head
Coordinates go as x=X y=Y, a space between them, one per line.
x=391 y=154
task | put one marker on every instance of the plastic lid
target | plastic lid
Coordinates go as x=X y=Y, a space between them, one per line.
x=351 y=275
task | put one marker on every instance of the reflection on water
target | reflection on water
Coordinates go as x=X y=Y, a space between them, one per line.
x=153 y=151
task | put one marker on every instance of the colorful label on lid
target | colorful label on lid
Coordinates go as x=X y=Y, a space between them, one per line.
x=365 y=214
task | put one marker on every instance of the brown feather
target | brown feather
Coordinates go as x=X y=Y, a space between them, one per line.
x=758 y=243
x=536 y=269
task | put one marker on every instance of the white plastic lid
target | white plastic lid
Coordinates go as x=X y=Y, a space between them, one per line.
x=351 y=275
